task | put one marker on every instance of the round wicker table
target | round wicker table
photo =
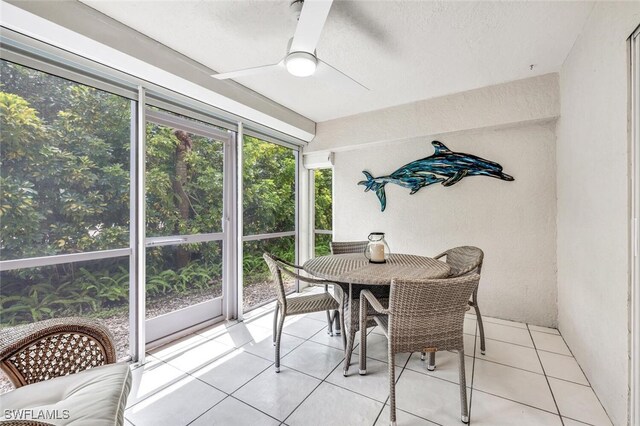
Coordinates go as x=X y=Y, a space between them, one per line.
x=354 y=272
x=347 y=269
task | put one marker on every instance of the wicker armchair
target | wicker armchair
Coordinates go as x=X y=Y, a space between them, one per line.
x=294 y=305
x=37 y=357
x=425 y=315
x=465 y=260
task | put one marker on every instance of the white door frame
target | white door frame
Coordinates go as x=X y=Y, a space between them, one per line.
x=634 y=367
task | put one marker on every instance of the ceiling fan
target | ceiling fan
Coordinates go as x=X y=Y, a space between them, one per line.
x=301 y=59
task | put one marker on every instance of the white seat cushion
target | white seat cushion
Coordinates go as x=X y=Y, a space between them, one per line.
x=95 y=397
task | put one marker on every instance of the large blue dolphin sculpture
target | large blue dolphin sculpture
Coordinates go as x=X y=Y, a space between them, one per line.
x=444 y=166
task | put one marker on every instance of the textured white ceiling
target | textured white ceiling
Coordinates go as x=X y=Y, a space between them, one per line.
x=402 y=50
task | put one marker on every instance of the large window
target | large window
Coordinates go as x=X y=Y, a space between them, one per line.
x=269 y=219
x=120 y=200
x=64 y=181
x=323 y=211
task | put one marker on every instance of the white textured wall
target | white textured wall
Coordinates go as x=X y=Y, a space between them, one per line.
x=593 y=208
x=530 y=99
x=513 y=222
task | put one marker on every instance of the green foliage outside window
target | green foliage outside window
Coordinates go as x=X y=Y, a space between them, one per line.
x=64 y=183
x=323 y=210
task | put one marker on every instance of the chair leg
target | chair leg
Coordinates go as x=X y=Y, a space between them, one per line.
x=329 y=324
x=337 y=322
x=349 y=350
x=278 y=337
x=392 y=387
x=431 y=364
x=351 y=317
x=343 y=327
x=275 y=323
x=422 y=354
x=463 y=390
x=480 y=326
x=362 y=362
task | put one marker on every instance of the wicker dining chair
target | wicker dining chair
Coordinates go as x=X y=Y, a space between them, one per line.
x=423 y=315
x=344 y=247
x=465 y=260
x=286 y=306
x=350 y=309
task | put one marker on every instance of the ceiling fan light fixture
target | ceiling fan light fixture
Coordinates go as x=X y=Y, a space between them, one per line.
x=301 y=64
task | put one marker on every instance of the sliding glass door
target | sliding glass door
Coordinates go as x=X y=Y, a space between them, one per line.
x=186 y=198
x=269 y=215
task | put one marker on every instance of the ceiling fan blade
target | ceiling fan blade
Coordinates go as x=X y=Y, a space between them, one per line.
x=337 y=76
x=312 y=18
x=248 y=71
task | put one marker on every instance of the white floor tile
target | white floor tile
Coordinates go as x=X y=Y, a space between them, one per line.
x=322 y=337
x=562 y=367
x=179 y=345
x=550 y=343
x=543 y=329
x=232 y=412
x=570 y=422
x=217 y=329
x=446 y=366
x=302 y=327
x=375 y=384
x=331 y=405
x=430 y=398
x=502 y=321
x=512 y=383
x=314 y=359
x=318 y=316
x=232 y=370
x=176 y=405
x=242 y=334
x=510 y=354
x=150 y=378
x=277 y=394
x=490 y=410
x=508 y=381
x=265 y=349
x=505 y=333
x=402 y=419
x=198 y=356
x=578 y=402
x=264 y=320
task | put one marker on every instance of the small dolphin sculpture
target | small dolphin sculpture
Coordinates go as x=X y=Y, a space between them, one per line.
x=444 y=166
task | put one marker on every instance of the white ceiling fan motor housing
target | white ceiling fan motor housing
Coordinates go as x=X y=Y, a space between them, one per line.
x=301 y=64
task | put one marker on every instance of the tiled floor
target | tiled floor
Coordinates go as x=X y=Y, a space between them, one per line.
x=225 y=376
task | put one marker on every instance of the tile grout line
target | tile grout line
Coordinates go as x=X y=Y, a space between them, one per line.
x=586 y=378
x=545 y=376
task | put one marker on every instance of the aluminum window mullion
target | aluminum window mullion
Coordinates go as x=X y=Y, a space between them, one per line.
x=183 y=239
x=15 y=48
x=323 y=231
x=190 y=126
x=267 y=138
x=138 y=274
x=35 y=262
x=239 y=222
x=256 y=237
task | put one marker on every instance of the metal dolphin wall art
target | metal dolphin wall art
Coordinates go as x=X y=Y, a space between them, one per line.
x=444 y=166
